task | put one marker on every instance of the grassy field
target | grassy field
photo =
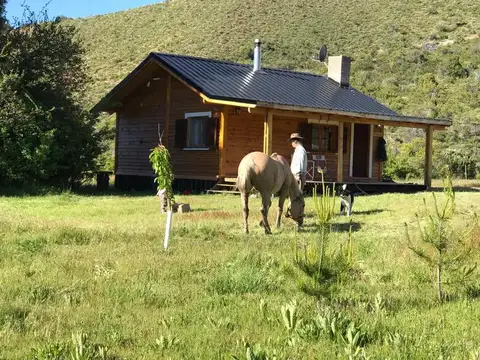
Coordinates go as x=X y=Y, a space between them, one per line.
x=94 y=264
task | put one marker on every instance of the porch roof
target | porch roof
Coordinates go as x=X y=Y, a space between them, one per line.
x=222 y=81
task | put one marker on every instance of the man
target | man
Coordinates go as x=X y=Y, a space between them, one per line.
x=299 y=160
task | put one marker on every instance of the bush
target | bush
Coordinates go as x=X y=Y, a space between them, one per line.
x=45 y=135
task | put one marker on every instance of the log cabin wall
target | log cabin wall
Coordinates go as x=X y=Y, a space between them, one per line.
x=137 y=123
x=190 y=164
x=137 y=130
x=244 y=134
x=283 y=126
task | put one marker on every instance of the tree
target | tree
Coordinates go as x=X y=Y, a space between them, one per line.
x=46 y=136
x=3 y=21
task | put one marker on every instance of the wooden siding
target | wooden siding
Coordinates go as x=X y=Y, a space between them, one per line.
x=244 y=134
x=194 y=164
x=137 y=131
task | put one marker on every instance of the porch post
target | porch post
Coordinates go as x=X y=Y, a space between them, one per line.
x=340 y=152
x=352 y=136
x=267 y=133
x=428 y=156
x=370 y=152
x=168 y=97
x=222 y=140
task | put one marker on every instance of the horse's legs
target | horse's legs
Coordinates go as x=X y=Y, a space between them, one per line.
x=281 y=200
x=245 y=210
x=264 y=210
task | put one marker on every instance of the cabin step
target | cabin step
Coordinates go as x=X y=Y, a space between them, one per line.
x=223 y=192
x=224 y=187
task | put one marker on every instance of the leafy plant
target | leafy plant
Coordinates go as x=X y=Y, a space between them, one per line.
x=165 y=342
x=255 y=353
x=160 y=159
x=80 y=348
x=289 y=315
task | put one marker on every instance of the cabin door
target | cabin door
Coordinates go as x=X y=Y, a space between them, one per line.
x=361 y=142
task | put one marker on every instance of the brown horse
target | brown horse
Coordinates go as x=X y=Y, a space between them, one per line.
x=269 y=175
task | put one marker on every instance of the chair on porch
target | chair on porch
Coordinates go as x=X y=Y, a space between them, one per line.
x=317 y=164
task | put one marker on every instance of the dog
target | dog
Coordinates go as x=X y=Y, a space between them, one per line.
x=346 y=201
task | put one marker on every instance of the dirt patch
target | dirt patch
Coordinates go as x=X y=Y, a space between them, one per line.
x=203 y=215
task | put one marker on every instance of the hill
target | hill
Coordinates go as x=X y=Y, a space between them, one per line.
x=418 y=57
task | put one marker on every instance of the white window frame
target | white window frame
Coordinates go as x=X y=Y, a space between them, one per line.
x=189 y=116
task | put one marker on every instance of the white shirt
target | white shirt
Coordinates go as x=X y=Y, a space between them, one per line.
x=299 y=160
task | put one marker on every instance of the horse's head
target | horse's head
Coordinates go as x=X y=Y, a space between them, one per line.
x=296 y=210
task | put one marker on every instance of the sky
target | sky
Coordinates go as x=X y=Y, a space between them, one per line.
x=73 y=8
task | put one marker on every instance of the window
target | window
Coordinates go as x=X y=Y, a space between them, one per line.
x=315 y=137
x=327 y=140
x=196 y=132
x=324 y=138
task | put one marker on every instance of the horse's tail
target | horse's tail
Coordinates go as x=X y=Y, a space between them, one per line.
x=244 y=178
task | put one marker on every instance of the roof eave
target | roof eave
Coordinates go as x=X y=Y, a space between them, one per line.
x=387 y=118
x=104 y=104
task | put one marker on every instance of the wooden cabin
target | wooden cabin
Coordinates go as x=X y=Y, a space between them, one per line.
x=212 y=113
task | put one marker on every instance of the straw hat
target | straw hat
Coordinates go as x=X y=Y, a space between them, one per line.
x=295 y=136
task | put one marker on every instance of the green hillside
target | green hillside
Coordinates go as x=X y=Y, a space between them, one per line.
x=418 y=57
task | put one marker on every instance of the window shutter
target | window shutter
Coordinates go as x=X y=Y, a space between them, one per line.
x=306 y=132
x=345 y=139
x=181 y=133
x=211 y=129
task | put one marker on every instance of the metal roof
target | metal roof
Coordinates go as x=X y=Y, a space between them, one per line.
x=223 y=80
x=238 y=82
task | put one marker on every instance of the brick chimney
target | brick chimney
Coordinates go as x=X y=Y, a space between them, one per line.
x=339 y=69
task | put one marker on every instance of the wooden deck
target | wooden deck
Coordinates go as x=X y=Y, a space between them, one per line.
x=227 y=185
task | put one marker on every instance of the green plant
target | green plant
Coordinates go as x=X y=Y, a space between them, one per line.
x=443 y=245
x=165 y=342
x=324 y=209
x=160 y=159
x=354 y=339
x=46 y=136
x=255 y=353
x=289 y=315
x=80 y=348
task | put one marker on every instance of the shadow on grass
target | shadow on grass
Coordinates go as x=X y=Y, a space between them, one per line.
x=112 y=191
x=475 y=188
x=345 y=227
x=82 y=191
x=369 y=212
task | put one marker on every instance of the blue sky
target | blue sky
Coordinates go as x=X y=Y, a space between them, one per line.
x=74 y=8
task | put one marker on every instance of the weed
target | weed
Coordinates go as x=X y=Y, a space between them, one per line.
x=79 y=348
x=289 y=315
x=165 y=342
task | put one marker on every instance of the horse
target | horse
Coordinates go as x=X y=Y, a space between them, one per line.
x=269 y=175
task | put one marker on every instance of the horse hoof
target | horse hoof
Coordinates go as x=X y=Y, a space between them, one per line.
x=260 y=223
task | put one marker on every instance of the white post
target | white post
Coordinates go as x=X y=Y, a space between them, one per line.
x=168 y=228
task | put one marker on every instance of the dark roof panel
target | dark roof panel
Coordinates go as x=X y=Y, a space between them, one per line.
x=232 y=81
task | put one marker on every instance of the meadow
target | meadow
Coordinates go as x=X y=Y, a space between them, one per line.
x=94 y=264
